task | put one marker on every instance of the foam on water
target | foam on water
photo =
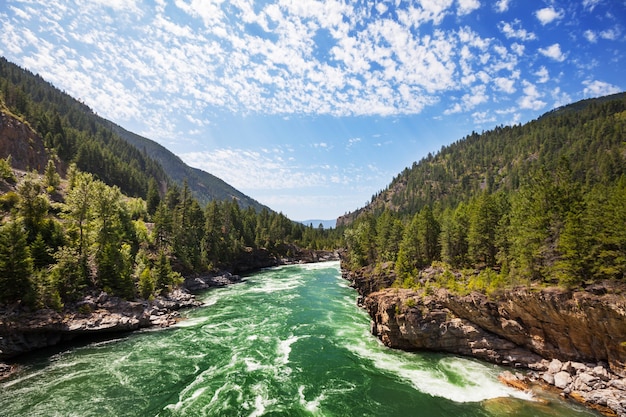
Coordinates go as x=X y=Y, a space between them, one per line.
x=284 y=349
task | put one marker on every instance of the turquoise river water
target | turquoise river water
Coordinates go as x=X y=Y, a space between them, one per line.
x=288 y=341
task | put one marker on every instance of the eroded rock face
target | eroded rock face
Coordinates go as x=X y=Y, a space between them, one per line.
x=571 y=340
x=22 y=143
x=551 y=323
x=99 y=313
x=407 y=320
x=554 y=323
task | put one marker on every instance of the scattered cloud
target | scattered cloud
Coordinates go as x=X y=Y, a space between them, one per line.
x=611 y=34
x=590 y=4
x=467 y=6
x=255 y=169
x=502 y=6
x=481 y=118
x=322 y=145
x=553 y=52
x=506 y=85
x=543 y=75
x=549 y=15
x=596 y=88
x=532 y=97
x=518 y=48
x=514 y=30
x=591 y=36
x=469 y=101
x=352 y=142
x=560 y=98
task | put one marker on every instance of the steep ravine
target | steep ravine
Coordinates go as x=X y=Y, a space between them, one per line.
x=572 y=340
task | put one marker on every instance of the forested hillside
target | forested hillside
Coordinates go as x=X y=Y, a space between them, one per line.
x=83 y=210
x=114 y=155
x=542 y=202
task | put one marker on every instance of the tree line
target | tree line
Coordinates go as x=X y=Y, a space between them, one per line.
x=60 y=239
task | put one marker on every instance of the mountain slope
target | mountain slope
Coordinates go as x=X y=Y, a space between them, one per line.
x=205 y=186
x=588 y=134
x=76 y=134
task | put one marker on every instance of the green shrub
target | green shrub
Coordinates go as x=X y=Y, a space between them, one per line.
x=6 y=171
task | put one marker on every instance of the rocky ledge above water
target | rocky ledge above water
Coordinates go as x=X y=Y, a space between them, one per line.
x=572 y=340
x=22 y=331
x=587 y=356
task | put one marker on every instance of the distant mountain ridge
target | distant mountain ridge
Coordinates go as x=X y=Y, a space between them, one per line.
x=328 y=224
x=205 y=186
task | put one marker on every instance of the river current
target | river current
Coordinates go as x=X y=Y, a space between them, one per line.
x=288 y=341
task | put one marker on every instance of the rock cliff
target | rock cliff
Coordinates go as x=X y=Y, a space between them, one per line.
x=573 y=340
x=22 y=143
x=22 y=332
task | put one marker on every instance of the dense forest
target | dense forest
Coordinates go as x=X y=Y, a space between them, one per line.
x=103 y=215
x=540 y=203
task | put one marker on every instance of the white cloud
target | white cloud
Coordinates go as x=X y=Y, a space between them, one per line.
x=469 y=101
x=506 y=85
x=173 y=69
x=591 y=4
x=20 y=13
x=596 y=88
x=352 y=142
x=481 y=118
x=502 y=6
x=560 y=98
x=591 y=36
x=549 y=15
x=543 y=75
x=531 y=100
x=518 y=48
x=467 y=6
x=514 y=30
x=434 y=10
x=118 y=5
x=248 y=170
x=611 y=34
x=553 y=52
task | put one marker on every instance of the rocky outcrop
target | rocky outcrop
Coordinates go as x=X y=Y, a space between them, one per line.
x=581 y=333
x=22 y=332
x=405 y=319
x=204 y=282
x=22 y=143
x=568 y=325
x=370 y=280
x=589 y=384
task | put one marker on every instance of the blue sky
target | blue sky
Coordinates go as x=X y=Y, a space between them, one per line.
x=311 y=107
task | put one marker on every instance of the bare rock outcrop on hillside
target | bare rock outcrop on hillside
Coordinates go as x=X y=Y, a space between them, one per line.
x=22 y=143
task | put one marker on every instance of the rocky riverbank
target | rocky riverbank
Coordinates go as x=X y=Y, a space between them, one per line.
x=570 y=340
x=23 y=331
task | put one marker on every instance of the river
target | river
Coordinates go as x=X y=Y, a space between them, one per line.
x=288 y=341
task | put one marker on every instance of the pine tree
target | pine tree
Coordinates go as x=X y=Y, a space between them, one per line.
x=52 y=180
x=16 y=265
x=152 y=197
